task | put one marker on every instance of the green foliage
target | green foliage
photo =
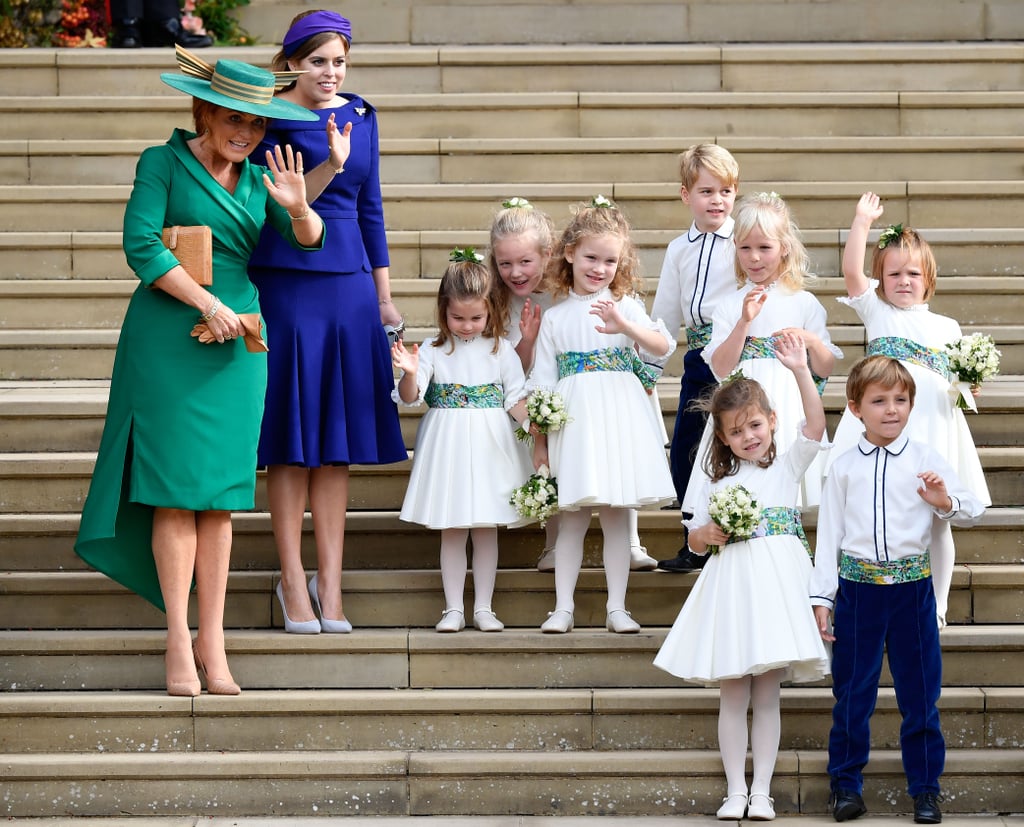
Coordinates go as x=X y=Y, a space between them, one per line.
x=221 y=24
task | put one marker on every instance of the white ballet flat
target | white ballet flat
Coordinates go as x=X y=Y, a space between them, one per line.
x=558 y=623
x=732 y=808
x=487 y=621
x=621 y=622
x=640 y=560
x=453 y=620
x=547 y=560
x=760 y=807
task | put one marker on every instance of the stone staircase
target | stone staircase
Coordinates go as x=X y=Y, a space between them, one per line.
x=395 y=719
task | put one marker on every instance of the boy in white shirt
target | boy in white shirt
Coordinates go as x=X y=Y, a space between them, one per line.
x=698 y=271
x=871 y=569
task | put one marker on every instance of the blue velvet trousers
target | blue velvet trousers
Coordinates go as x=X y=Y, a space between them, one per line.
x=898 y=619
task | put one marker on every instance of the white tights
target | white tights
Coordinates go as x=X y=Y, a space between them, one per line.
x=572 y=528
x=453 y=565
x=735 y=695
x=943 y=556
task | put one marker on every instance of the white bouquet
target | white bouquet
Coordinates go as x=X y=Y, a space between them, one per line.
x=546 y=410
x=735 y=511
x=972 y=359
x=537 y=498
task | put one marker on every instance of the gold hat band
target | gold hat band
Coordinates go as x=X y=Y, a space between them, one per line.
x=241 y=91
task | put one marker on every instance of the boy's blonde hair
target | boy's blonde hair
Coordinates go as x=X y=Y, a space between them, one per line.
x=767 y=212
x=520 y=220
x=908 y=241
x=589 y=222
x=879 y=370
x=466 y=281
x=711 y=157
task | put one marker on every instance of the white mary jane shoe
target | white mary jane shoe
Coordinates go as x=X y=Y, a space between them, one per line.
x=558 y=623
x=621 y=622
x=761 y=807
x=453 y=620
x=487 y=621
x=640 y=560
x=732 y=808
x=547 y=560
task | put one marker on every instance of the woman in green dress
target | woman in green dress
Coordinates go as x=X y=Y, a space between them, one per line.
x=178 y=452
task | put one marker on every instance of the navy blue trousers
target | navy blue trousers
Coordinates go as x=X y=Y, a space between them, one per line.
x=899 y=619
x=698 y=380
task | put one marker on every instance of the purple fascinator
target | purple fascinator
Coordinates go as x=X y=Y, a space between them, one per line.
x=316 y=23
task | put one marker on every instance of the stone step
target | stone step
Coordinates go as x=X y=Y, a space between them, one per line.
x=80 y=254
x=378 y=540
x=636 y=68
x=463 y=783
x=30 y=355
x=87 y=661
x=572 y=114
x=985 y=593
x=451 y=720
x=63 y=304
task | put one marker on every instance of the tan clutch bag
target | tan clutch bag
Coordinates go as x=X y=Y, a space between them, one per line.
x=193 y=247
x=254 y=341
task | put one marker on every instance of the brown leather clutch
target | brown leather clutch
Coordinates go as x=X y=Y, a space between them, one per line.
x=193 y=247
x=254 y=341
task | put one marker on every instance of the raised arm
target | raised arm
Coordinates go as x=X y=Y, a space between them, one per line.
x=727 y=355
x=869 y=209
x=792 y=352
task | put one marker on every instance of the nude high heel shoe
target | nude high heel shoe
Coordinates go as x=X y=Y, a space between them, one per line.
x=215 y=686
x=182 y=689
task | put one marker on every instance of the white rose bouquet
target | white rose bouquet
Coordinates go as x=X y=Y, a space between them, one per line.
x=546 y=410
x=972 y=360
x=537 y=498
x=735 y=511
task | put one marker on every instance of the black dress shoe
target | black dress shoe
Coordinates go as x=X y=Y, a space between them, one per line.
x=926 y=808
x=847 y=805
x=684 y=561
x=126 y=34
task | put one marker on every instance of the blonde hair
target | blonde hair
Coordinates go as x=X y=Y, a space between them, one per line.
x=711 y=157
x=591 y=222
x=879 y=370
x=466 y=281
x=517 y=221
x=280 y=61
x=908 y=241
x=737 y=393
x=767 y=212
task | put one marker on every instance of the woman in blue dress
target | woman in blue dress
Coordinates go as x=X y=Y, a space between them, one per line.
x=328 y=401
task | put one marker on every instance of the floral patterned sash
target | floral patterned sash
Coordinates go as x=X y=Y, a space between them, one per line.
x=777 y=520
x=763 y=347
x=905 y=570
x=907 y=350
x=451 y=395
x=698 y=337
x=623 y=359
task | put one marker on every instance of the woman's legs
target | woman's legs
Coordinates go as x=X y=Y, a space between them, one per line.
x=328 y=500
x=213 y=562
x=287 y=486
x=174 y=551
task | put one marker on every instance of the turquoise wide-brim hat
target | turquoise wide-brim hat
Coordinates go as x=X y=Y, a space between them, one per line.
x=236 y=85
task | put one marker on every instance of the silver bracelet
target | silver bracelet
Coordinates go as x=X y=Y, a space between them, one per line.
x=209 y=314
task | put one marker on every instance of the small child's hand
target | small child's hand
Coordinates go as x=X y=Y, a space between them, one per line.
x=869 y=208
x=529 y=321
x=608 y=312
x=709 y=534
x=405 y=360
x=822 y=615
x=934 y=491
x=791 y=350
x=753 y=302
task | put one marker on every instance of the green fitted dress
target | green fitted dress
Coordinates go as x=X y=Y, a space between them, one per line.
x=183 y=418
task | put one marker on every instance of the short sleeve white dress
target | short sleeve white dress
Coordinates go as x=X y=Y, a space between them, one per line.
x=467 y=460
x=748 y=612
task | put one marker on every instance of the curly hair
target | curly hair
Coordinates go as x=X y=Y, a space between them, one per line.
x=592 y=222
x=466 y=281
x=738 y=393
x=910 y=243
x=767 y=212
x=513 y=222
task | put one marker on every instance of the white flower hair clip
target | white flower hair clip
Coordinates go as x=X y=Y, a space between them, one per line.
x=517 y=203
x=601 y=202
x=465 y=254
